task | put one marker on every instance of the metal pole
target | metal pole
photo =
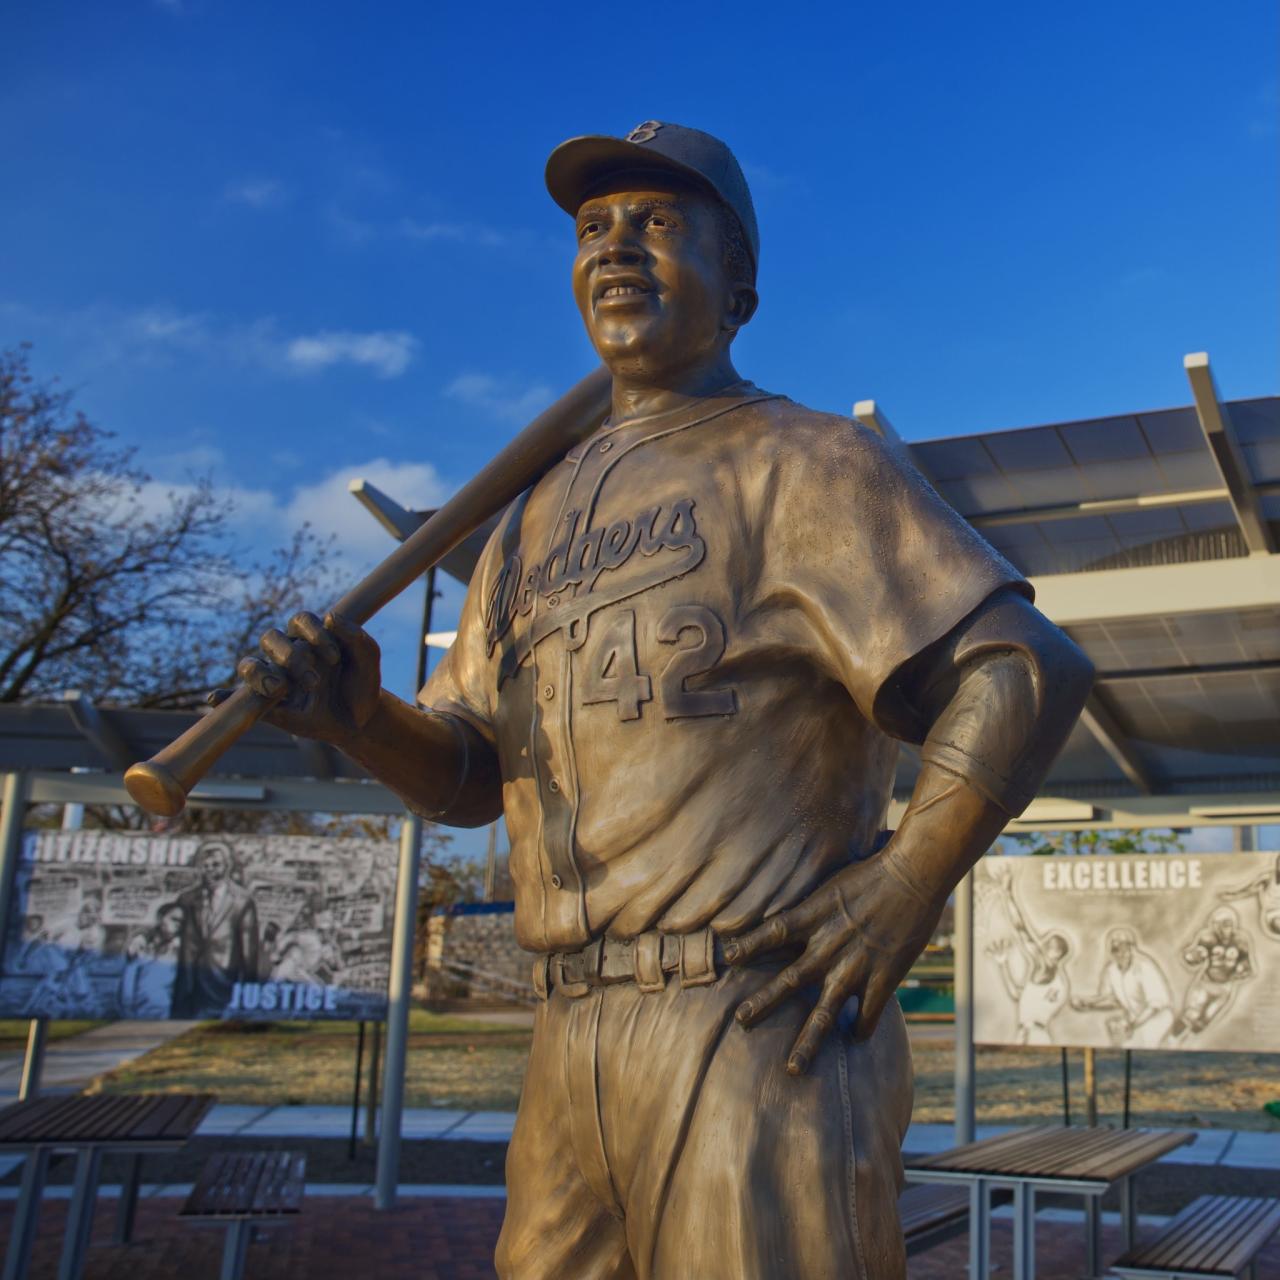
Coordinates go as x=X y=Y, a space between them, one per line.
x=398 y=986
x=1128 y=1084
x=38 y=1031
x=355 y=1093
x=1066 y=1090
x=33 y=1062
x=963 y=953
x=13 y=798
x=1091 y=1086
x=371 y=1106
x=491 y=864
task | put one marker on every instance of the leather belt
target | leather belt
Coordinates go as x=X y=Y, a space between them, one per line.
x=646 y=960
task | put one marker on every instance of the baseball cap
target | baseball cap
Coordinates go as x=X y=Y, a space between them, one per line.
x=579 y=164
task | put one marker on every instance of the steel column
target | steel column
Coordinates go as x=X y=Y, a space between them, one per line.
x=17 y=1258
x=979 y=1230
x=398 y=986
x=964 y=1069
x=1024 y=1232
x=84 y=1196
x=33 y=1059
x=13 y=798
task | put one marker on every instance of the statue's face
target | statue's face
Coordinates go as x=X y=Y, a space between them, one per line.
x=649 y=277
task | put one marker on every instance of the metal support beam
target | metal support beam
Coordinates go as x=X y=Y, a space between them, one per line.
x=1206 y=586
x=962 y=949
x=98 y=731
x=398 y=522
x=398 y=985
x=13 y=798
x=867 y=413
x=1097 y=717
x=301 y=795
x=1223 y=444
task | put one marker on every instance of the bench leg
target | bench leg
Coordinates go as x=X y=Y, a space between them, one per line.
x=1024 y=1232
x=979 y=1230
x=17 y=1258
x=84 y=1196
x=1129 y=1211
x=235 y=1249
x=1093 y=1235
x=128 y=1206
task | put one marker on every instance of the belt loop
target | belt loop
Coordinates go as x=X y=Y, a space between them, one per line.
x=698 y=959
x=648 y=962
x=541 y=976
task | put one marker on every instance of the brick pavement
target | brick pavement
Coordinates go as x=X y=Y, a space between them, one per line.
x=336 y=1238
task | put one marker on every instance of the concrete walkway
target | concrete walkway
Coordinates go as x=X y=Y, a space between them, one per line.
x=1234 y=1147
x=71 y=1063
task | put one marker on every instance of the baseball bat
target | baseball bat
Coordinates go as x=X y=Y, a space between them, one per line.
x=160 y=785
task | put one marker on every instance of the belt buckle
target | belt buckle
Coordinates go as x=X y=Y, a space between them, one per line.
x=580 y=970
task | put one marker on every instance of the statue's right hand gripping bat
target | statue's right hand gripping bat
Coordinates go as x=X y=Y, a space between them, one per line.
x=160 y=785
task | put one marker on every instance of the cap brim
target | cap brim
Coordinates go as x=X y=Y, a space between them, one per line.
x=577 y=166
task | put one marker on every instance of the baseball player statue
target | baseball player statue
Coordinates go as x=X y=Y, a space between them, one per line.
x=682 y=671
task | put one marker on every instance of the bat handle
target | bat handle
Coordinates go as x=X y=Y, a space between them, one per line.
x=160 y=785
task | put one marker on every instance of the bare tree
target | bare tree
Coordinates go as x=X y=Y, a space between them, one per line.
x=134 y=594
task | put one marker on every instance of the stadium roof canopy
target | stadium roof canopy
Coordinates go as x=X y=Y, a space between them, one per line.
x=1151 y=537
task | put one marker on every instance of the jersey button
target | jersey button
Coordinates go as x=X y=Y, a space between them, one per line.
x=553 y=785
x=606 y=446
x=548 y=691
x=556 y=882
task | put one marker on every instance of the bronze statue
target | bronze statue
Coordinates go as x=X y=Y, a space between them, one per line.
x=682 y=671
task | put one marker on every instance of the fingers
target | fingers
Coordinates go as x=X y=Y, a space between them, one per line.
x=309 y=627
x=355 y=640
x=835 y=991
x=775 y=991
x=787 y=926
x=297 y=659
x=264 y=678
x=872 y=1004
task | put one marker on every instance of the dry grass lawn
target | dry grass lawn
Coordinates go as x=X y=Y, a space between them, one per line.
x=456 y=1062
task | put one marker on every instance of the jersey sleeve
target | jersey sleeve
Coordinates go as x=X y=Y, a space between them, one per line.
x=876 y=564
x=461 y=684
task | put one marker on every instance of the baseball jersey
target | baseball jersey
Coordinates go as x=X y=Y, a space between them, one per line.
x=682 y=642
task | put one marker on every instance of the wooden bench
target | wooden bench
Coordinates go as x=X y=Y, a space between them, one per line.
x=931 y=1214
x=241 y=1190
x=1212 y=1236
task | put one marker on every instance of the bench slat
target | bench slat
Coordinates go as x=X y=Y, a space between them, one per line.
x=1212 y=1236
x=257 y=1184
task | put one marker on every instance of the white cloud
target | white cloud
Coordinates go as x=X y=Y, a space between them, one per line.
x=455 y=233
x=386 y=352
x=329 y=507
x=257 y=193
x=145 y=335
x=499 y=397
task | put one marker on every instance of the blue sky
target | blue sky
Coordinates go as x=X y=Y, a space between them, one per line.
x=293 y=243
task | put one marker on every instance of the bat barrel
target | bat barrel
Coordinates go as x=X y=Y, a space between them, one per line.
x=161 y=785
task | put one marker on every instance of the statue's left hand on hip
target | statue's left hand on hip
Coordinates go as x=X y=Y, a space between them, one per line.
x=861 y=932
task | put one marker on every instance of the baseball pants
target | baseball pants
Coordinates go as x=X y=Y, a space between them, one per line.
x=658 y=1140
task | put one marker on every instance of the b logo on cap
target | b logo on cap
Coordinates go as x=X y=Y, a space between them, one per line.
x=646 y=131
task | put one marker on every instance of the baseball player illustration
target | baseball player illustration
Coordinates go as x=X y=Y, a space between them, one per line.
x=1041 y=989
x=682 y=670
x=1221 y=956
x=1266 y=888
x=1134 y=985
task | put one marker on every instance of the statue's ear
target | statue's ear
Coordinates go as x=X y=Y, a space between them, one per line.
x=743 y=301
